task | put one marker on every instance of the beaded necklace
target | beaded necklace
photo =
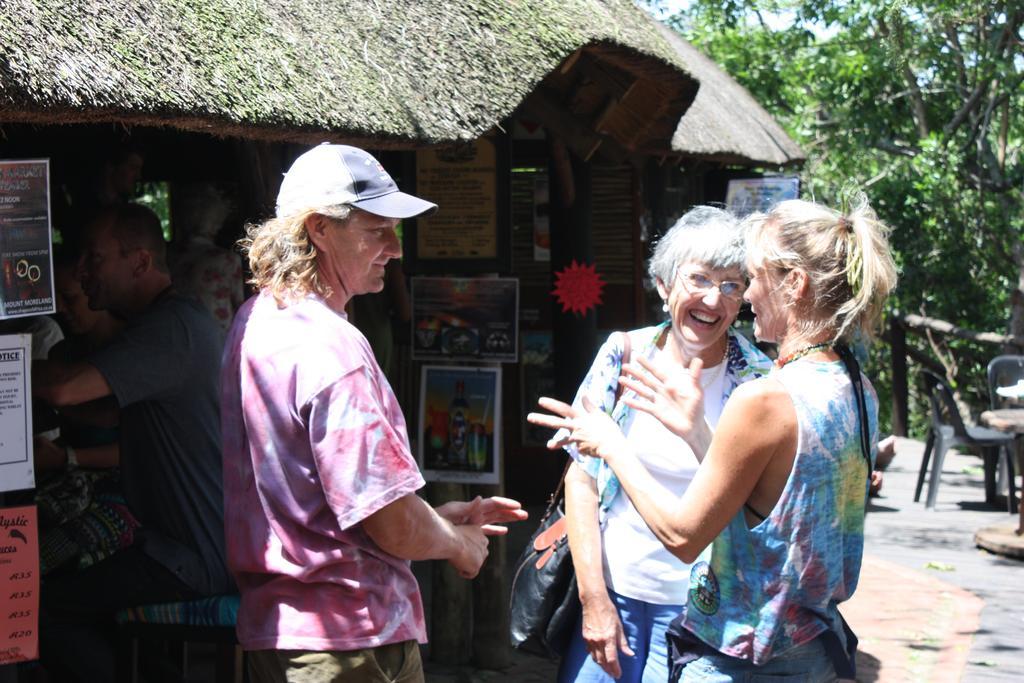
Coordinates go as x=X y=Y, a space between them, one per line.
x=806 y=351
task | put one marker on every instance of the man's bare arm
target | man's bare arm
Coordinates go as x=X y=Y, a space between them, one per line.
x=67 y=384
x=412 y=530
x=103 y=412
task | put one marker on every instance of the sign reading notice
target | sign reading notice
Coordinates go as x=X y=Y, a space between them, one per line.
x=463 y=182
x=19 y=585
x=16 y=470
x=26 y=287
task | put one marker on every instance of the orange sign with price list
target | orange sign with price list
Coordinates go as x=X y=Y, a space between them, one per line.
x=19 y=584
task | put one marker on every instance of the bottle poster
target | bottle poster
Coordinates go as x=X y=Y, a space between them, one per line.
x=461 y=318
x=26 y=282
x=16 y=466
x=19 y=584
x=460 y=424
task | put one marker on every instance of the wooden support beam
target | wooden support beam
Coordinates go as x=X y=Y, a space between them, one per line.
x=615 y=82
x=570 y=62
x=563 y=124
x=900 y=390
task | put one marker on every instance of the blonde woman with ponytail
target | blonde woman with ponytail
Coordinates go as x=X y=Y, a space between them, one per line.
x=773 y=520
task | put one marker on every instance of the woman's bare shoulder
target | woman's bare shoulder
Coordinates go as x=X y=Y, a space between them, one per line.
x=763 y=399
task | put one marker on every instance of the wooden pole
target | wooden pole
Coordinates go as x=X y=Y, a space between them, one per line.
x=574 y=336
x=491 y=649
x=451 y=612
x=900 y=391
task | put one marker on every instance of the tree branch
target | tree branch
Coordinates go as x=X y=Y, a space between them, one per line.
x=893 y=147
x=966 y=108
x=916 y=99
x=953 y=41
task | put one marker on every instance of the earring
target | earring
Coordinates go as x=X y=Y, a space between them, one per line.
x=664 y=307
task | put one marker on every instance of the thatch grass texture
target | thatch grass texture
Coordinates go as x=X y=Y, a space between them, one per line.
x=725 y=123
x=398 y=72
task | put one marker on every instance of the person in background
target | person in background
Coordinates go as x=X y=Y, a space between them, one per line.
x=87 y=329
x=43 y=329
x=319 y=479
x=630 y=585
x=201 y=269
x=81 y=442
x=83 y=516
x=781 y=493
x=161 y=371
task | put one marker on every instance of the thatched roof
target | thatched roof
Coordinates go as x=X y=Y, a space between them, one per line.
x=725 y=123
x=394 y=72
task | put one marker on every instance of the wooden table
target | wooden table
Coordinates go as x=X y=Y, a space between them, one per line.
x=1010 y=420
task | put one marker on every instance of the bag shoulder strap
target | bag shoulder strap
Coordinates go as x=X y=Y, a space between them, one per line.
x=556 y=497
x=853 y=368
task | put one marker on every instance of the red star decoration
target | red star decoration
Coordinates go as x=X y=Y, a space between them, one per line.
x=578 y=287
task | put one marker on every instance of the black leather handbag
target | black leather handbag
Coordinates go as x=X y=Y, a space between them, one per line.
x=545 y=603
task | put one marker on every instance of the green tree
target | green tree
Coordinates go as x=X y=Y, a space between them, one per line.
x=918 y=104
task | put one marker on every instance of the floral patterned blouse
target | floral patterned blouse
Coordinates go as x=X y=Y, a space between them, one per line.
x=744 y=362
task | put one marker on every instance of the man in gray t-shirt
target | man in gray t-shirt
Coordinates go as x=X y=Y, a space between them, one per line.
x=158 y=381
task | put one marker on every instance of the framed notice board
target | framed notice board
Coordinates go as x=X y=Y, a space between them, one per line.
x=469 y=232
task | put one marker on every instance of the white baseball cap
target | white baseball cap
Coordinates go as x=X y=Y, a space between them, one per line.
x=328 y=175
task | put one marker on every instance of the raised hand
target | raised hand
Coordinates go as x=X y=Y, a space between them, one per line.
x=592 y=431
x=674 y=396
x=487 y=513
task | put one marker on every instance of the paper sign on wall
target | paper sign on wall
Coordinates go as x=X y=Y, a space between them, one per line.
x=26 y=266
x=16 y=471
x=19 y=584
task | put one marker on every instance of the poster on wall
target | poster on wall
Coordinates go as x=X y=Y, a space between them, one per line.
x=25 y=239
x=537 y=367
x=460 y=424
x=463 y=181
x=16 y=466
x=747 y=195
x=461 y=318
x=19 y=585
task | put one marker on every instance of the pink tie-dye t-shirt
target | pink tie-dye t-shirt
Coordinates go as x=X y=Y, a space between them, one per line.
x=314 y=443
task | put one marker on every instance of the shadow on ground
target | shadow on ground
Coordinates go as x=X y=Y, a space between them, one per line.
x=868 y=667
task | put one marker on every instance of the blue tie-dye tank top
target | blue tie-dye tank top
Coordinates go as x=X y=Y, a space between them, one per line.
x=764 y=590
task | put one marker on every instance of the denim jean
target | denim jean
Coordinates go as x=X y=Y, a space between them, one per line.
x=644 y=624
x=807 y=663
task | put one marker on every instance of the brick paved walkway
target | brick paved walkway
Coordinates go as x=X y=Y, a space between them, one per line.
x=929 y=607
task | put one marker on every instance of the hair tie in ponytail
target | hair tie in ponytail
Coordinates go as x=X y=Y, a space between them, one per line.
x=854 y=264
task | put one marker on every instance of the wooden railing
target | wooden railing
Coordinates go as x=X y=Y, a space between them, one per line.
x=899 y=327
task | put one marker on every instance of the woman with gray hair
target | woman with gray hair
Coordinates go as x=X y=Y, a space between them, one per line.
x=630 y=586
x=774 y=519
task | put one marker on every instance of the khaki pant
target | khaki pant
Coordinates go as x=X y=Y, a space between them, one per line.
x=394 y=663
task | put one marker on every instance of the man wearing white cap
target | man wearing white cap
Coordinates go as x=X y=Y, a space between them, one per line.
x=320 y=506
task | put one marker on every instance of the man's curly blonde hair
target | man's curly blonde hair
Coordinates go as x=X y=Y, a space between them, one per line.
x=282 y=258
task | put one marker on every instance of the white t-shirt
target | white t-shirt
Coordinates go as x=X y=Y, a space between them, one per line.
x=636 y=564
